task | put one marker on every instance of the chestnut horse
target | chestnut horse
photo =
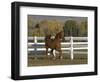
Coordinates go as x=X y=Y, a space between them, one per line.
x=54 y=44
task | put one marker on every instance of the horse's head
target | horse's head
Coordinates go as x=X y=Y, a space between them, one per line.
x=60 y=35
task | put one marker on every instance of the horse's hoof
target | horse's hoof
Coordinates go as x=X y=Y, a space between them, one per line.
x=60 y=57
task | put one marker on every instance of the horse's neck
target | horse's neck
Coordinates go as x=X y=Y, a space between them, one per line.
x=56 y=39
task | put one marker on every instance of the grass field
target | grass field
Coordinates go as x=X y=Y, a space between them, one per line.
x=43 y=60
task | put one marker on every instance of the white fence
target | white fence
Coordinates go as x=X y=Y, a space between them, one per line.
x=71 y=41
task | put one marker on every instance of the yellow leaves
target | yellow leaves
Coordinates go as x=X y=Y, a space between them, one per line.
x=50 y=26
x=54 y=26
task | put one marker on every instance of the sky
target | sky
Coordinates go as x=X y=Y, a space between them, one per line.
x=60 y=18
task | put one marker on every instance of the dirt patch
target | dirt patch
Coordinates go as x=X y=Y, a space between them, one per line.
x=45 y=61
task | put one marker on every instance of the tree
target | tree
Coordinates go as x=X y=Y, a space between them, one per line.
x=55 y=26
x=71 y=28
x=31 y=24
x=51 y=26
x=83 y=28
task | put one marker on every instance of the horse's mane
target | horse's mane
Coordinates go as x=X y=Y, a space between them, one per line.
x=59 y=35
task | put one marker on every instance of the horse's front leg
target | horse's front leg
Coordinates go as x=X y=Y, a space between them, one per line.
x=47 y=52
x=60 y=54
x=53 y=54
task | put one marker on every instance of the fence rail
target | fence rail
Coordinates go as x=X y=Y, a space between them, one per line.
x=33 y=44
x=66 y=38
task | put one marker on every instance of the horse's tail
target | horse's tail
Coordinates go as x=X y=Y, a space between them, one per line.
x=45 y=38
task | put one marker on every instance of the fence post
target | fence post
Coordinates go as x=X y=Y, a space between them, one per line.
x=35 y=46
x=71 y=41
